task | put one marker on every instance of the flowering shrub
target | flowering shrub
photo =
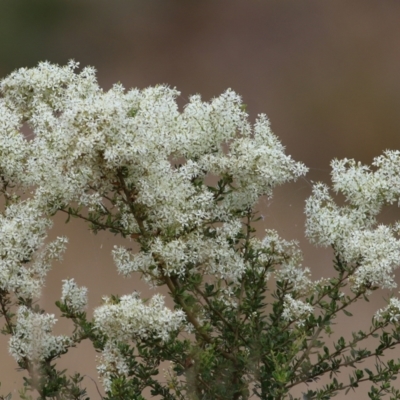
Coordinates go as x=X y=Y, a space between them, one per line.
x=129 y=162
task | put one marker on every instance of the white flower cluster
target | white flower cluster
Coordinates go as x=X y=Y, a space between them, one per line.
x=73 y=296
x=24 y=259
x=88 y=143
x=284 y=258
x=130 y=318
x=111 y=362
x=352 y=229
x=211 y=255
x=84 y=138
x=32 y=338
x=296 y=310
x=391 y=312
x=14 y=149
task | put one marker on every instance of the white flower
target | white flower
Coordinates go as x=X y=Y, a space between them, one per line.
x=24 y=258
x=378 y=253
x=73 y=296
x=391 y=312
x=126 y=262
x=352 y=229
x=111 y=362
x=328 y=224
x=296 y=276
x=131 y=318
x=140 y=130
x=32 y=337
x=212 y=255
x=83 y=138
x=296 y=310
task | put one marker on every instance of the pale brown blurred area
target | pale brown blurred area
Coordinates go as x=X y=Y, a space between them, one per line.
x=325 y=72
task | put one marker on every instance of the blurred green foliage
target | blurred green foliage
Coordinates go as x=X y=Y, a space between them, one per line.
x=29 y=31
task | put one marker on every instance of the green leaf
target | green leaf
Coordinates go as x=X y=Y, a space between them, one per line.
x=347 y=313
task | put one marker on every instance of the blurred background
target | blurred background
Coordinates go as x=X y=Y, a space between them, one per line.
x=325 y=73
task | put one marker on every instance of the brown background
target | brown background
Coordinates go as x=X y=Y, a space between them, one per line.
x=325 y=72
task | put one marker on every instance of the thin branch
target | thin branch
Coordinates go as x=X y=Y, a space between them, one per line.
x=346 y=363
x=99 y=224
x=214 y=310
x=4 y=310
x=193 y=320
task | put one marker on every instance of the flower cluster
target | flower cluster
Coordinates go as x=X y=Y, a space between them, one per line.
x=33 y=339
x=296 y=310
x=352 y=229
x=391 y=312
x=211 y=255
x=111 y=362
x=24 y=258
x=73 y=296
x=86 y=134
x=130 y=318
